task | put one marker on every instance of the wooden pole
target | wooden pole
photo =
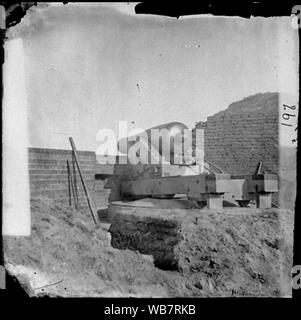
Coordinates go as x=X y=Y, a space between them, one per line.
x=74 y=176
x=81 y=174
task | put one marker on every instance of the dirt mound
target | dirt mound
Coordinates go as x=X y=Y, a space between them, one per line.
x=241 y=252
x=234 y=251
x=259 y=103
x=67 y=255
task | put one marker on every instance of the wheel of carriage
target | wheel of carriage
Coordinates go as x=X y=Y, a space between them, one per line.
x=243 y=203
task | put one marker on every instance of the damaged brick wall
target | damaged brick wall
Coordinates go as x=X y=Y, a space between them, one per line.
x=48 y=174
x=237 y=138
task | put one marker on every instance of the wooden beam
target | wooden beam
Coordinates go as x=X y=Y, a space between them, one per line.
x=82 y=177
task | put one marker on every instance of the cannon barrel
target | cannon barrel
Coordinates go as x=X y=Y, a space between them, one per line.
x=163 y=137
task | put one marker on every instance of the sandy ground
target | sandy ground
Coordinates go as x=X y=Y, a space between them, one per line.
x=67 y=255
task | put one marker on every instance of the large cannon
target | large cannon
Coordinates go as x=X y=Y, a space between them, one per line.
x=196 y=179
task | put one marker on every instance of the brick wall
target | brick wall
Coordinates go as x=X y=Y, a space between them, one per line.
x=237 y=138
x=48 y=174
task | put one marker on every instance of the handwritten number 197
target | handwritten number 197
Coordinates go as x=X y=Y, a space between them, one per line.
x=286 y=115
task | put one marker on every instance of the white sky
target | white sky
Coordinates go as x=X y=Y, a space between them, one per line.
x=87 y=67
